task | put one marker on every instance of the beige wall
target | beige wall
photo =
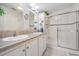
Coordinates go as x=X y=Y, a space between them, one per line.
x=13 y=20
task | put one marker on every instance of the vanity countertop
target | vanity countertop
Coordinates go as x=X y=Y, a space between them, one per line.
x=4 y=44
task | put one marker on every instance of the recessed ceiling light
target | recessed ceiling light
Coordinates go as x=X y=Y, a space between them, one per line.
x=21 y=4
x=36 y=7
x=32 y=4
x=20 y=8
x=33 y=8
x=37 y=11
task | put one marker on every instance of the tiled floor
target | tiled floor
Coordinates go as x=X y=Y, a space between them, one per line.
x=58 y=51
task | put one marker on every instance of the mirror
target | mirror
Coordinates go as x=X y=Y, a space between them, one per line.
x=31 y=19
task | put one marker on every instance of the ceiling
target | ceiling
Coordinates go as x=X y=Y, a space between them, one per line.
x=49 y=7
x=52 y=7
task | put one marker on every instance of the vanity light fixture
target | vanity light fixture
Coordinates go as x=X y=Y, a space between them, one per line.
x=34 y=6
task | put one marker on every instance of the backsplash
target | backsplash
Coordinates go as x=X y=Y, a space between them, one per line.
x=4 y=34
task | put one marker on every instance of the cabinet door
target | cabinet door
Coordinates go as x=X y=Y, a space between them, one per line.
x=44 y=42
x=67 y=36
x=52 y=35
x=66 y=18
x=32 y=48
x=41 y=46
x=20 y=51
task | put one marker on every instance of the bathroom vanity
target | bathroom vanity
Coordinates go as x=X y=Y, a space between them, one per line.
x=33 y=44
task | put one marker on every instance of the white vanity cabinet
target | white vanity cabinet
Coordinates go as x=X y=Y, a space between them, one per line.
x=52 y=35
x=42 y=44
x=41 y=49
x=36 y=46
x=18 y=51
x=28 y=48
x=32 y=47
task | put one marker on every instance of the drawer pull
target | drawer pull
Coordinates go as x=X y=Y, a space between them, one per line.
x=27 y=47
x=23 y=50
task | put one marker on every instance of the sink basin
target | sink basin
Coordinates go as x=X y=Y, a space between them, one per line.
x=19 y=37
x=22 y=36
x=8 y=39
x=36 y=33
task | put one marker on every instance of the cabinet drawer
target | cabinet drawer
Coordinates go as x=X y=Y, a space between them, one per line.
x=32 y=47
x=16 y=51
